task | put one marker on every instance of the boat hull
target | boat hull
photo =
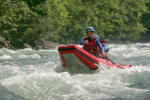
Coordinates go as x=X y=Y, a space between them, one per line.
x=70 y=54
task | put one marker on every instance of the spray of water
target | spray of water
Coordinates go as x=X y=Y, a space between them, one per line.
x=38 y=75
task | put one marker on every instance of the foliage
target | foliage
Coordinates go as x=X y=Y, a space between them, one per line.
x=64 y=21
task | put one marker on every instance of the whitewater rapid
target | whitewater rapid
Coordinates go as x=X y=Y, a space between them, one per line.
x=29 y=74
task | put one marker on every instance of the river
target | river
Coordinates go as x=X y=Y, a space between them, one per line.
x=29 y=74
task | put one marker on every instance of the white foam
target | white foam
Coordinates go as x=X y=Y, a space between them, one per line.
x=23 y=56
x=41 y=81
x=5 y=57
x=35 y=56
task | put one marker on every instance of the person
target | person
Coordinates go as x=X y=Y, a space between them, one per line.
x=103 y=42
x=91 y=43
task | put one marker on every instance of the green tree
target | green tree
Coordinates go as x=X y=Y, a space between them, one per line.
x=15 y=19
x=65 y=21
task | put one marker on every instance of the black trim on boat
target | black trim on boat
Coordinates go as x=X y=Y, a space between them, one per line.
x=66 y=49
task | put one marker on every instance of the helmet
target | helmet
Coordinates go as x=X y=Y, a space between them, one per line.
x=90 y=29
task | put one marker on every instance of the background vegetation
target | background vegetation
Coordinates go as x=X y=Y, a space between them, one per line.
x=64 y=21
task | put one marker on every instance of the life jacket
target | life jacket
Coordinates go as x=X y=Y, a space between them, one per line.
x=91 y=47
x=103 y=41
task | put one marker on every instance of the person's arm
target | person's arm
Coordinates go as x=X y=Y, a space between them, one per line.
x=82 y=41
x=100 y=46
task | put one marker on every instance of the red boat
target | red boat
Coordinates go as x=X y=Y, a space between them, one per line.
x=70 y=54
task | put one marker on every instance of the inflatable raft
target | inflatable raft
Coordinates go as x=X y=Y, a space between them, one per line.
x=70 y=54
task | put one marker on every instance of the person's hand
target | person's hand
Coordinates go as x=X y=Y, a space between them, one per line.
x=86 y=42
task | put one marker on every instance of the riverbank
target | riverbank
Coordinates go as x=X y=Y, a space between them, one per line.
x=38 y=45
x=48 y=44
x=5 y=44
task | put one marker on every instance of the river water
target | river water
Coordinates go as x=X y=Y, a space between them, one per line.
x=28 y=74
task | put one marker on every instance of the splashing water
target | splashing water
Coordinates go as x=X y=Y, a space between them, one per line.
x=38 y=75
